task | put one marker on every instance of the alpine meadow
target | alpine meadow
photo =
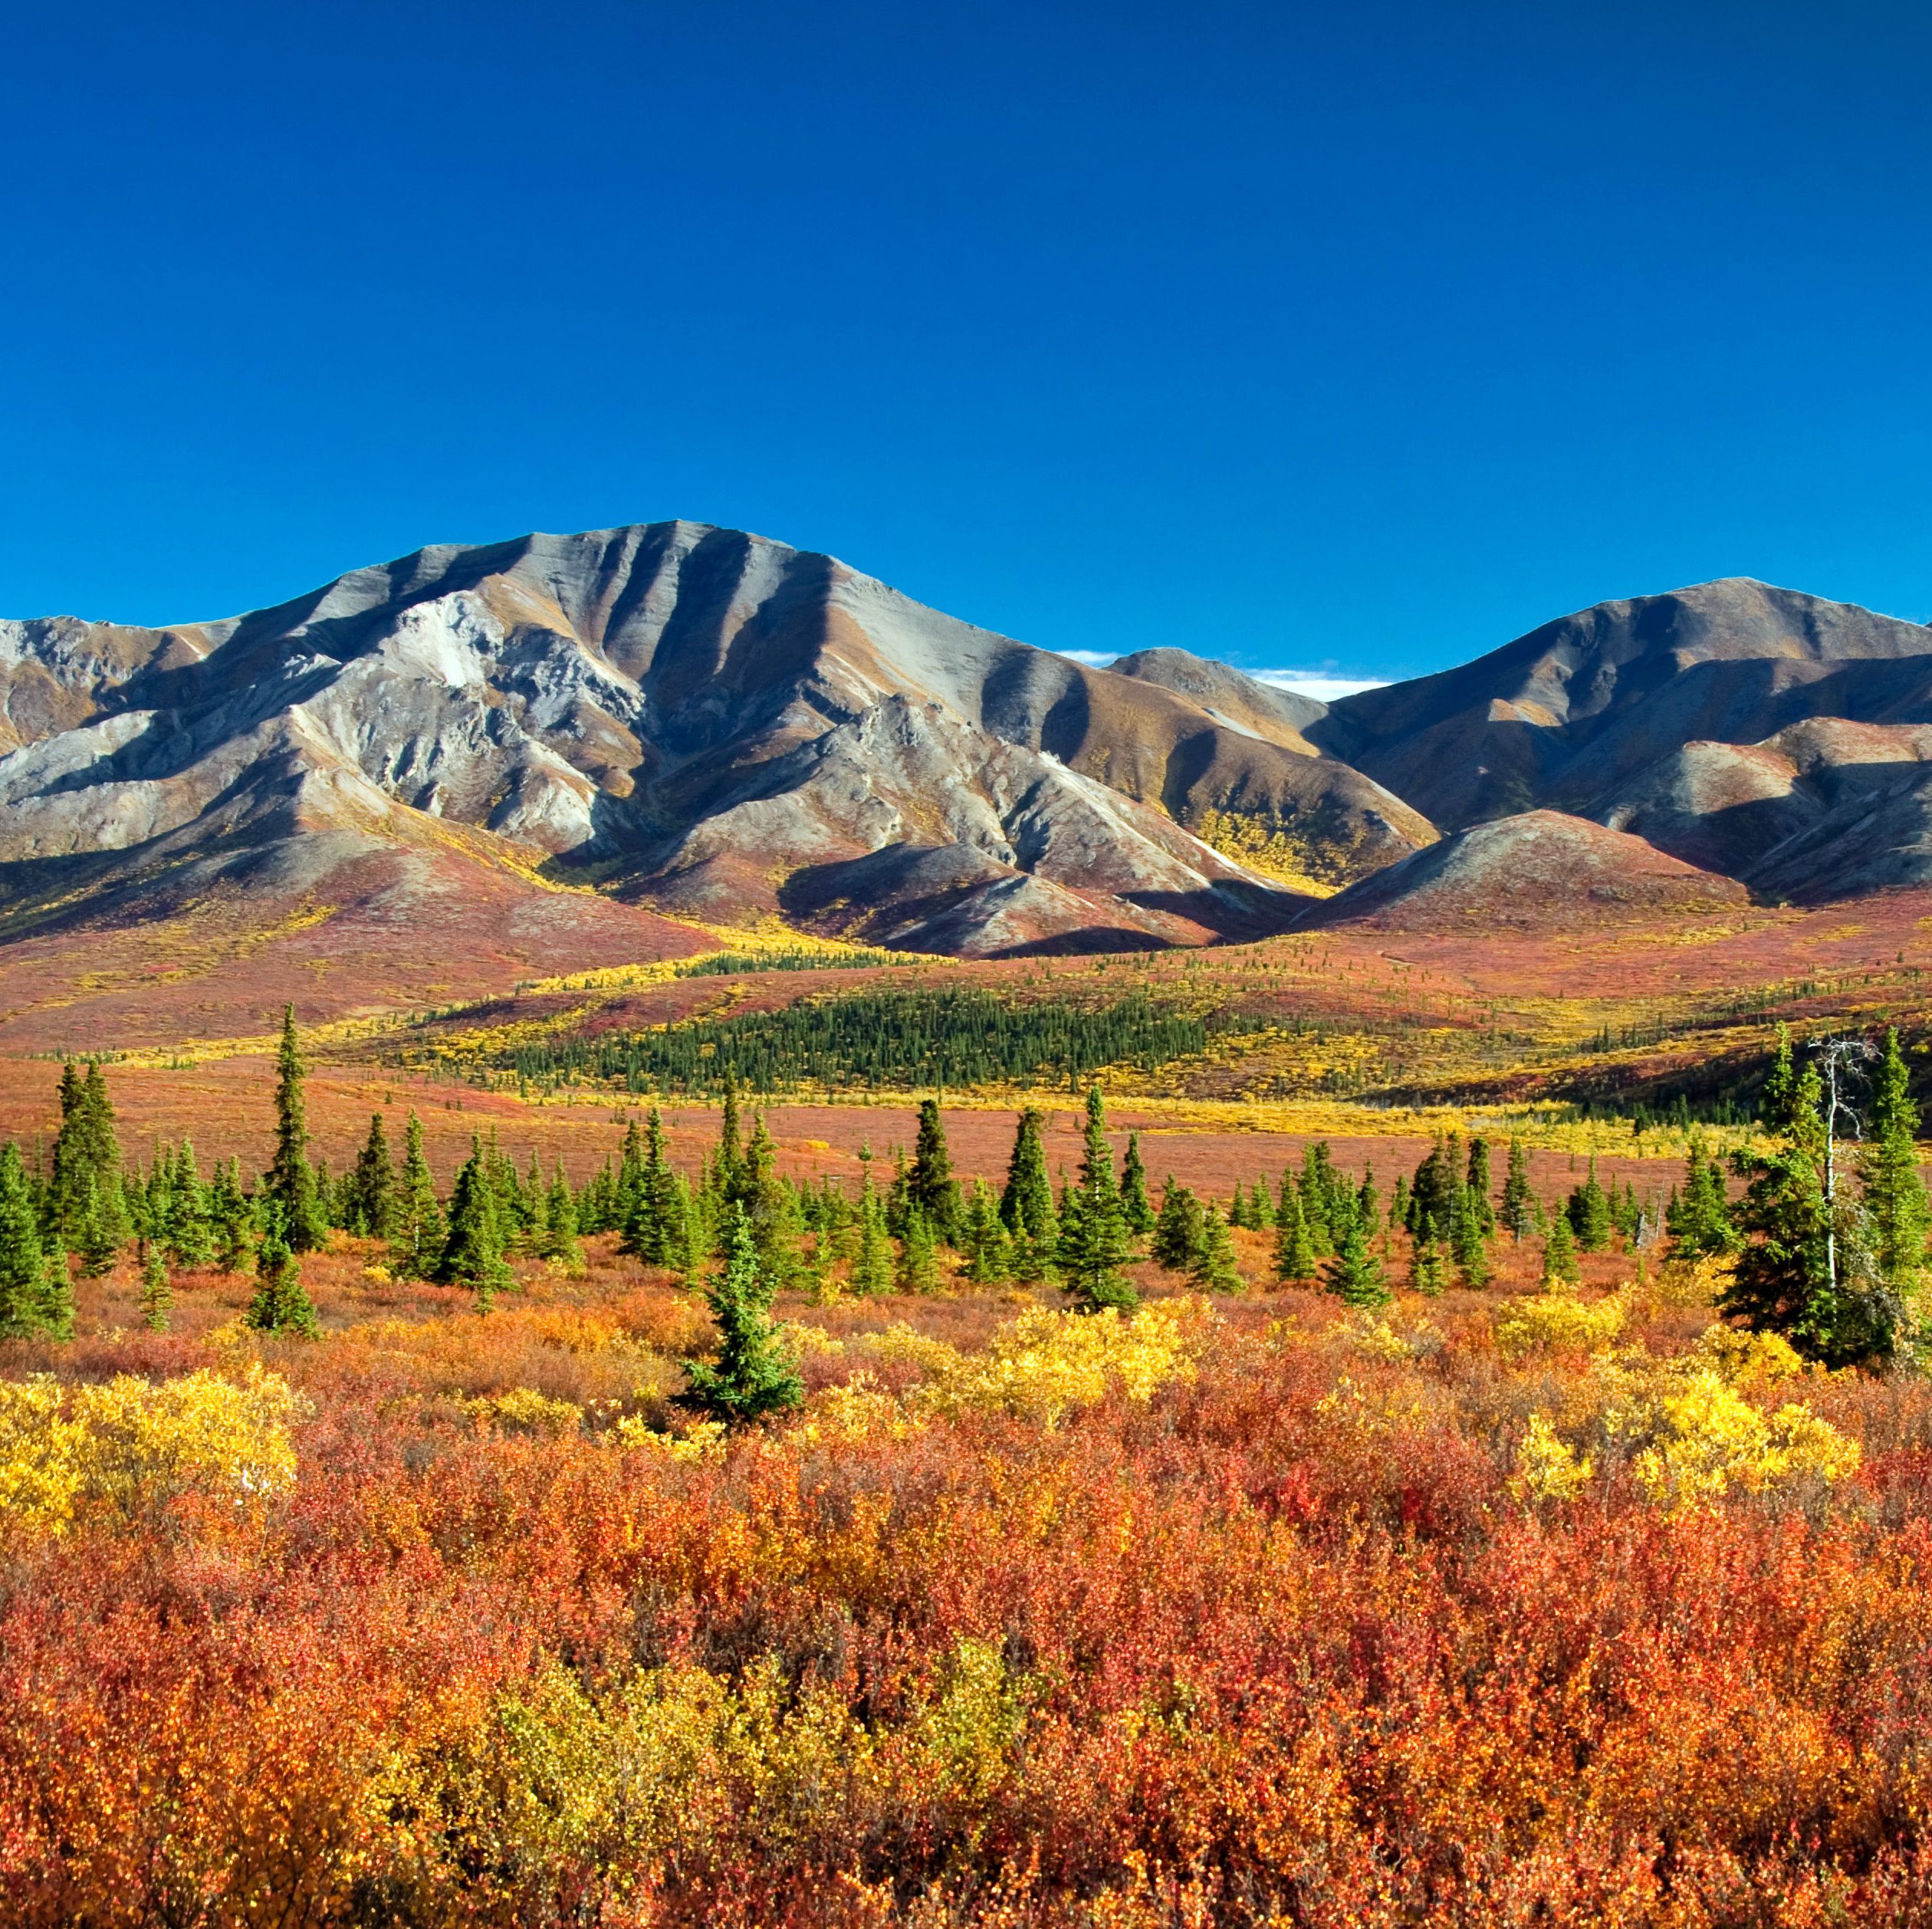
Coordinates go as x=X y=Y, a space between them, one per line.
x=1028 y=1342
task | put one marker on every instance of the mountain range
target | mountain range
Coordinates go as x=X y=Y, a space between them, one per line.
x=595 y=734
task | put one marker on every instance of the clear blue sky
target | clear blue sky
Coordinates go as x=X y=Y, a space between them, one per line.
x=1361 y=336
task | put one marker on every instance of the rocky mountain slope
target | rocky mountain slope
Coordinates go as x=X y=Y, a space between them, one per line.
x=1539 y=871
x=1567 y=715
x=675 y=718
x=690 y=717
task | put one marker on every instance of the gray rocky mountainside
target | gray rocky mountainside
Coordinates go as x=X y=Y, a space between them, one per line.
x=1771 y=735
x=691 y=719
x=681 y=719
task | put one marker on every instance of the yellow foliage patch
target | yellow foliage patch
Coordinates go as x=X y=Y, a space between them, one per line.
x=115 y=1451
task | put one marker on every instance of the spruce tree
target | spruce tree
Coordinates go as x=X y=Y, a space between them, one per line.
x=1589 y=1213
x=369 y=1206
x=56 y=1316
x=1519 y=1213
x=28 y=1291
x=1477 y=1185
x=97 y=1244
x=190 y=1236
x=752 y=1375
x=1294 y=1262
x=232 y=1219
x=1368 y=1204
x=1317 y=1191
x=1026 y=1205
x=770 y=1204
x=930 y=1184
x=157 y=1290
x=472 y=1253
x=1354 y=1275
x=1468 y=1241
x=1888 y=1172
x=290 y=1181
x=1094 y=1242
x=86 y=1149
x=1804 y=1270
x=281 y=1303
x=631 y=1157
x=872 y=1264
x=1136 y=1207
x=417 y=1243
x=1214 y=1270
x=1698 y=1219
x=560 y=1241
x=655 y=1227
x=1177 y=1228
x=1559 y=1263
x=983 y=1238
x=919 y=1264
x=1428 y=1270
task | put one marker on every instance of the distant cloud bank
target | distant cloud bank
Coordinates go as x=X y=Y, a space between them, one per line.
x=1322 y=685
x=1314 y=683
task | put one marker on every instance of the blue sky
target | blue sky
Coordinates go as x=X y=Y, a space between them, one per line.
x=1348 y=340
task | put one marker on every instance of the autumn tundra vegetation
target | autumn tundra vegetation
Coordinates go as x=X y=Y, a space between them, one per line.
x=713 y=1537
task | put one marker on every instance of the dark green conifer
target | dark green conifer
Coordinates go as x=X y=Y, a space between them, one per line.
x=370 y=1204
x=1214 y=1270
x=1888 y=1171
x=1804 y=1270
x=1179 y=1228
x=1136 y=1207
x=1295 y=1260
x=982 y=1239
x=1428 y=1270
x=1468 y=1241
x=232 y=1219
x=157 y=1290
x=752 y=1374
x=1094 y=1242
x=34 y=1291
x=417 y=1243
x=282 y=1304
x=872 y=1264
x=289 y=1183
x=919 y=1262
x=1519 y=1214
x=472 y=1253
x=1559 y=1263
x=559 y=1241
x=1355 y=1275
x=1589 y=1213
x=97 y=1245
x=1027 y=1205
x=1476 y=1184
x=189 y=1234
x=930 y=1184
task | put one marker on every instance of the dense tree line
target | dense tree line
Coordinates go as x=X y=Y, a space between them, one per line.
x=1828 y=1245
x=900 y=1039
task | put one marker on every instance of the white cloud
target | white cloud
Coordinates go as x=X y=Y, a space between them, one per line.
x=1095 y=659
x=1314 y=683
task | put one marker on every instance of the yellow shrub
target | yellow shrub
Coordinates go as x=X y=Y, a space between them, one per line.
x=1045 y=1364
x=1558 y=1320
x=1712 y=1441
x=703 y=1440
x=1739 y=1358
x=1547 y=1467
x=116 y=1450
x=525 y=1411
x=40 y=1473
